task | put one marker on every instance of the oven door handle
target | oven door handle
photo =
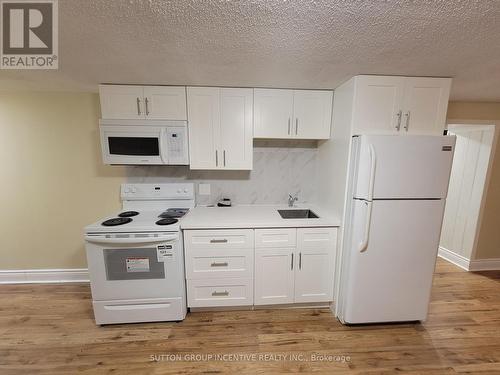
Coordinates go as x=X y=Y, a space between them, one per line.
x=131 y=240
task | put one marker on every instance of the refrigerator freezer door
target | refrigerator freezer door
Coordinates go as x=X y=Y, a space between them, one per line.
x=391 y=279
x=409 y=167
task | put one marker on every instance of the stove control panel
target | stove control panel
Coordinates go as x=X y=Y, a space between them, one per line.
x=157 y=191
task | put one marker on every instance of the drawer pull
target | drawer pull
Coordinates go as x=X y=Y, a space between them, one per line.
x=224 y=240
x=219 y=264
x=217 y=294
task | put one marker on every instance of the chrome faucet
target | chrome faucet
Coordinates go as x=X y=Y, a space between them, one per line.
x=292 y=200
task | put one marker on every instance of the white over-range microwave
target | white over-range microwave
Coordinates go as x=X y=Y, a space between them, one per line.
x=144 y=142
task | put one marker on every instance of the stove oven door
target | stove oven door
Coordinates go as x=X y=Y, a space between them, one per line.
x=135 y=266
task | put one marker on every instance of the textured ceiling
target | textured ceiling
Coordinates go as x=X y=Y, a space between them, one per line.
x=306 y=44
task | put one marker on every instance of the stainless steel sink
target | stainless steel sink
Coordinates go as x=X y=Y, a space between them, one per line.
x=297 y=214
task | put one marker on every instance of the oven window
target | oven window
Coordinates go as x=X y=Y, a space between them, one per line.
x=135 y=146
x=133 y=264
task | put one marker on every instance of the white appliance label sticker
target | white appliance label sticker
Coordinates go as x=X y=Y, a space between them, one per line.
x=137 y=264
x=164 y=252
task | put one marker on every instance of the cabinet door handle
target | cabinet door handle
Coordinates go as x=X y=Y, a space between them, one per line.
x=138 y=106
x=219 y=264
x=216 y=294
x=296 y=126
x=289 y=120
x=300 y=261
x=146 y=101
x=223 y=240
x=291 y=263
x=398 y=115
x=224 y=157
x=216 y=159
x=407 y=124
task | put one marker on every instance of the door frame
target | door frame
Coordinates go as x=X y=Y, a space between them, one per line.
x=480 y=125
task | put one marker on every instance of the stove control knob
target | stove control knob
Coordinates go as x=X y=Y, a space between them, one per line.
x=179 y=191
x=185 y=191
x=127 y=190
x=133 y=190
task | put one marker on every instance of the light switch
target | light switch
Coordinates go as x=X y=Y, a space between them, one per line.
x=204 y=189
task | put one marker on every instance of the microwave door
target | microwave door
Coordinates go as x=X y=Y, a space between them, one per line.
x=131 y=147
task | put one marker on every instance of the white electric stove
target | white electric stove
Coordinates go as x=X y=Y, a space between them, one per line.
x=136 y=257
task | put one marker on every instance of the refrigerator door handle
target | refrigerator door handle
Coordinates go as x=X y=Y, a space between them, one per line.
x=364 y=244
x=373 y=166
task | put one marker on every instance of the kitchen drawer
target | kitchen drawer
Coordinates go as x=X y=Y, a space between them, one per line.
x=220 y=292
x=276 y=238
x=219 y=263
x=314 y=238
x=139 y=310
x=219 y=239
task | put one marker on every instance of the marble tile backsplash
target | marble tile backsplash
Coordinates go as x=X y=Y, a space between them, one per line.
x=280 y=167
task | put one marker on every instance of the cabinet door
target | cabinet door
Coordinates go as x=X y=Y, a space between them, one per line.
x=236 y=139
x=203 y=123
x=121 y=102
x=165 y=103
x=378 y=105
x=312 y=114
x=314 y=273
x=425 y=105
x=274 y=276
x=273 y=111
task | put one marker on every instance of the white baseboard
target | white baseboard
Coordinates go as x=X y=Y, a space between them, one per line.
x=485 y=265
x=44 y=276
x=454 y=258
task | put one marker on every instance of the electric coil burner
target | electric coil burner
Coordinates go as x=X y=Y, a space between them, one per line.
x=116 y=221
x=166 y=221
x=128 y=214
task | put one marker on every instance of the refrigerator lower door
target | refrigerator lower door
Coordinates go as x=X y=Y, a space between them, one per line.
x=389 y=278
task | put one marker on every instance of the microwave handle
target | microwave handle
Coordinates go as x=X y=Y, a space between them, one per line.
x=102 y=239
x=163 y=146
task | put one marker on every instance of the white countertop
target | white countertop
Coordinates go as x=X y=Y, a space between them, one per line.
x=253 y=216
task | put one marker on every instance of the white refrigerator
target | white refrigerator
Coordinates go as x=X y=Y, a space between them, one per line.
x=396 y=196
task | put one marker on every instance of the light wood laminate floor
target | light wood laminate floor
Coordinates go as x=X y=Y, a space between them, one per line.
x=49 y=329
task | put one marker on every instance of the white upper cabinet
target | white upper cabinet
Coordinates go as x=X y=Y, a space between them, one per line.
x=236 y=131
x=143 y=102
x=220 y=128
x=400 y=105
x=273 y=112
x=204 y=119
x=312 y=114
x=121 y=102
x=299 y=114
x=378 y=104
x=165 y=103
x=425 y=106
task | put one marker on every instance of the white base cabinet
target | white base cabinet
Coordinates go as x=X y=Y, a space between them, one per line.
x=245 y=267
x=295 y=271
x=219 y=267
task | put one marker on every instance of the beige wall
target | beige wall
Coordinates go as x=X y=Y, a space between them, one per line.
x=489 y=232
x=53 y=182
